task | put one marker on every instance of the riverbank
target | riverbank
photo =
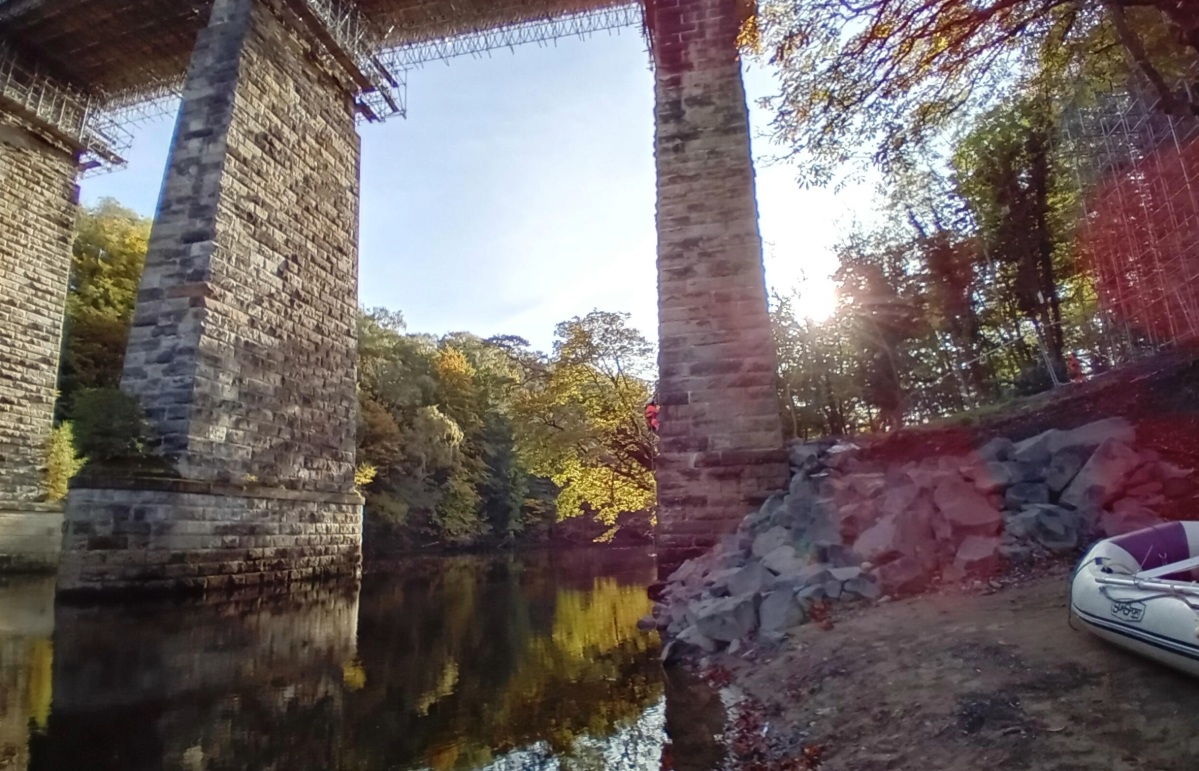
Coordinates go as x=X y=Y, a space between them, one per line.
x=959 y=680
x=904 y=605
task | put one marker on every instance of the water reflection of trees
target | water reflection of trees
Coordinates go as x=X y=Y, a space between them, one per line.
x=468 y=660
x=26 y=659
x=492 y=664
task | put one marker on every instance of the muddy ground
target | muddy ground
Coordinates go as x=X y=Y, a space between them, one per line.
x=961 y=681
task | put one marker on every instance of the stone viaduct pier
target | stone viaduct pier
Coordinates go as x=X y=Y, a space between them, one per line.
x=242 y=351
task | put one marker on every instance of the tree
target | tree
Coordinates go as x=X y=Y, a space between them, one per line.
x=438 y=425
x=818 y=389
x=581 y=418
x=890 y=75
x=108 y=255
x=1006 y=173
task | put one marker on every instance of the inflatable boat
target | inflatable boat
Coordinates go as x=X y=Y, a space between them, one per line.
x=1141 y=591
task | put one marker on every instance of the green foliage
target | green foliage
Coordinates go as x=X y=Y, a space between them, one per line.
x=461 y=440
x=108 y=255
x=486 y=441
x=971 y=289
x=581 y=418
x=880 y=81
x=109 y=425
x=62 y=462
x=364 y=474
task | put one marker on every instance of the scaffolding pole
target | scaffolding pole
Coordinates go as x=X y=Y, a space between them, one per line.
x=1137 y=169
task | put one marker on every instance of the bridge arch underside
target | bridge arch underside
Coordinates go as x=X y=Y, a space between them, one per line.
x=242 y=351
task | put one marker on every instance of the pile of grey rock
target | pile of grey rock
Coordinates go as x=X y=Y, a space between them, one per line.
x=850 y=528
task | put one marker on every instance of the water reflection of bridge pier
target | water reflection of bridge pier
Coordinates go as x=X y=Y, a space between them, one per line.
x=250 y=682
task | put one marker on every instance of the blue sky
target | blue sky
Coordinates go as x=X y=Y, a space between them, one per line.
x=520 y=192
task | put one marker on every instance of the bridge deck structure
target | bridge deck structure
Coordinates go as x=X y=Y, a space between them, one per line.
x=243 y=344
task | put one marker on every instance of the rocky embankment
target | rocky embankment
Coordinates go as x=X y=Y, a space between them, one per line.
x=854 y=530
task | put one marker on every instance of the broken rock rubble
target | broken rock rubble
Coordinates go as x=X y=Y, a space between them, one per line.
x=850 y=529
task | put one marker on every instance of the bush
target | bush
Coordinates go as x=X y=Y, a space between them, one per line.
x=364 y=474
x=62 y=463
x=1035 y=378
x=110 y=425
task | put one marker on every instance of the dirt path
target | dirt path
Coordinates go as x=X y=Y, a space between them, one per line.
x=969 y=682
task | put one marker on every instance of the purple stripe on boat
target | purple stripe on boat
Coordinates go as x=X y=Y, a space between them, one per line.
x=1156 y=546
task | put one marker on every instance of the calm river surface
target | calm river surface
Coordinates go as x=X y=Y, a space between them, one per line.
x=529 y=661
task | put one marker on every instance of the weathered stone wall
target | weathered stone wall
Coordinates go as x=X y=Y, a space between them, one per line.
x=198 y=537
x=37 y=211
x=244 y=340
x=30 y=536
x=243 y=344
x=721 y=438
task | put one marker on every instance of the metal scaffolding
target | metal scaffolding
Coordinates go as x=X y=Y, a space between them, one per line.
x=130 y=55
x=1137 y=169
x=73 y=118
x=580 y=24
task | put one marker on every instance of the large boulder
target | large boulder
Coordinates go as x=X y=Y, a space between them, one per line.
x=758 y=520
x=770 y=540
x=779 y=611
x=1064 y=467
x=998 y=449
x=903 y=576
x=838 y=555
x=1021 y=525
x=845 y=574
x=717 y=582
x=994 y=476
x=784 y=561
x=881 y=543
x=1103 y=476
x=1055 y=527
x=978 y=555
x=806 y=455
x=1127 y=515
x=866 y=485
x=1034 y=450
x=1092 y=435
x=690 y=569
x=725 y=619
x=928 y=477
x=688 y=642
x=863 y=586
x=856 y=517
x=692 y=636
x=750 y=579
x=821 y=529
x=899 y=499
x=910 y=532
x=1022 y=494
x=965 y=508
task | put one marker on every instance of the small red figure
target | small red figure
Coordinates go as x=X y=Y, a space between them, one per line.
x=1074 y=368
x=651 y=416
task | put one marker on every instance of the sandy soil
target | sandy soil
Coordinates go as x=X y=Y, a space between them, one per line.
x=995 y=679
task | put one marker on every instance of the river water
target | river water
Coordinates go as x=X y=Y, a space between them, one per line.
x=527 y=661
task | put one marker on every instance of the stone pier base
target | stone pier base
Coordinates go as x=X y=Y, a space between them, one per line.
x=30 y=534
x=179 y=536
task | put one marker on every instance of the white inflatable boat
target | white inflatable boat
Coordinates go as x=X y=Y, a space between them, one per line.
x=1141 y=592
